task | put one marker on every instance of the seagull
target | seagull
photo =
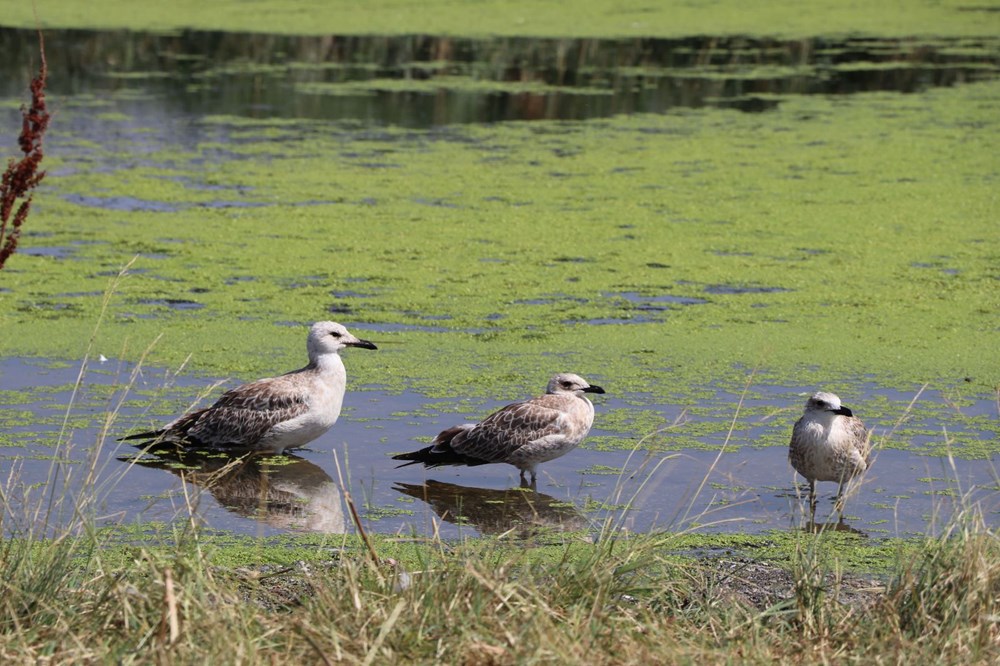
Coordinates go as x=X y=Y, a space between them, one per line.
x=521 y=434
x=829 y=443
x=273 y=414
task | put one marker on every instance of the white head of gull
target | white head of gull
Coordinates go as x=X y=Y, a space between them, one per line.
x=273 y=414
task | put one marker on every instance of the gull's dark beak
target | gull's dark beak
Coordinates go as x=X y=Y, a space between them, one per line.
x=593 y=389
x=364 y=344
x=843 y=411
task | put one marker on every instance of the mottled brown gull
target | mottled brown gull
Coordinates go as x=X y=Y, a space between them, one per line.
x=276 y=413
x=522 y=434
x=829 y=443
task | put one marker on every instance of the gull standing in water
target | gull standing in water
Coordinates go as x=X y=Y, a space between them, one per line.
x=522 y=434
x=829 y=443
x=276 y=413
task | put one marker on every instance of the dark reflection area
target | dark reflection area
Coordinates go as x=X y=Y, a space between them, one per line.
x=421 y=80
x=286 y=491
x=840 y=526
x=490 y=511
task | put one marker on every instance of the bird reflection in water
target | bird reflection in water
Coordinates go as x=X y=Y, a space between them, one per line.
x=496 y=511
x=795 y=493
x=286 y=491
x=839 y=526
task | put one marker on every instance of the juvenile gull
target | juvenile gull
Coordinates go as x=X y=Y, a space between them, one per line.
x=522 y=434
x=829 y=443
x=276 y=413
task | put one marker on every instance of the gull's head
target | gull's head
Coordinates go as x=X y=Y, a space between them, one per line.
x=328 y=337
x=826 y=402
x=567 y=382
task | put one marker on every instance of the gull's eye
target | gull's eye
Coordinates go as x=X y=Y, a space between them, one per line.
x=566 y=385
x=335 y=334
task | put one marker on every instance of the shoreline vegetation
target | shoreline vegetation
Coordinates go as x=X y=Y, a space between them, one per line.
x=529 y=18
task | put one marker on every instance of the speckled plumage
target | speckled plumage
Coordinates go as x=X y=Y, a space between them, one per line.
x=829 y=443
x=276 y=413
x=523 y=434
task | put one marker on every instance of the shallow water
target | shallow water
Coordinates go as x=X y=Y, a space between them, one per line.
x=744 y=488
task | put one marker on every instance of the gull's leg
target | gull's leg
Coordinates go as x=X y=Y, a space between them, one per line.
x=840 y=501
x=812 y=501
x=534 y=480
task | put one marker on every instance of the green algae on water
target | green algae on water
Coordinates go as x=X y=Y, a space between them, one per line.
x=845 y=550
x=825 y=239
x=545 y=18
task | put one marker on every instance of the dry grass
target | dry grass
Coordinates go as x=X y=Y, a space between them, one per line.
x=613 y=602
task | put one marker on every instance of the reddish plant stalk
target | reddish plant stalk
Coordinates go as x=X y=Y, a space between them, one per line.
x=23 y=175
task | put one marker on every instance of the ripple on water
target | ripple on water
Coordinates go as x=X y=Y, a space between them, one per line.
x=122 y=203
x=730 y=289
x=57 y=252
x=172 y=303
x=645 y=302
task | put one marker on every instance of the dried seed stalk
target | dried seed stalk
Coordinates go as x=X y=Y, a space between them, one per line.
x=23 y=175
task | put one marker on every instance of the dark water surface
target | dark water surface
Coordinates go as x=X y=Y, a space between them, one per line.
x=423 y=81
x=744 y=489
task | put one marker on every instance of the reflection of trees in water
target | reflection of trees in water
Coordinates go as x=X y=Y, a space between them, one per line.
x=284 y=491
x=235 y=73
x=495 y=511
